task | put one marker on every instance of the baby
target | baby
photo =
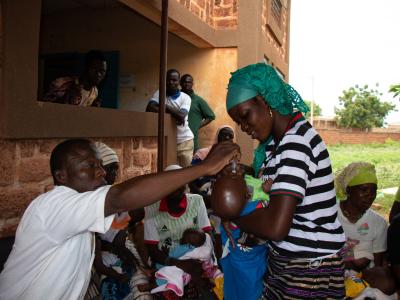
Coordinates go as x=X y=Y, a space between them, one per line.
x=194 y=244
x=233 y=189
x=243 y=260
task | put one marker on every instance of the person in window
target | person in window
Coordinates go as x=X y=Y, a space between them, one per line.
x=80 y=90
x=177 y=104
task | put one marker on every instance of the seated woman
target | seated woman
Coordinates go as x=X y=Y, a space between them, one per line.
x=113 y=260
x=365 y=230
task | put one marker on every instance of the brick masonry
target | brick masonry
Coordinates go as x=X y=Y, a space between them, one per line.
x=219 y=14
x=352 y=136
x=25 y=171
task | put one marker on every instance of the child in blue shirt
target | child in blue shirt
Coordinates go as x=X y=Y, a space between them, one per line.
x=244 y=257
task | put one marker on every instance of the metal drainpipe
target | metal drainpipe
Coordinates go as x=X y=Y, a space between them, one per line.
x=162 y=84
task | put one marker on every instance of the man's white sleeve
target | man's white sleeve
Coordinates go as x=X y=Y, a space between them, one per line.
x=73 y=213
x=155 y=97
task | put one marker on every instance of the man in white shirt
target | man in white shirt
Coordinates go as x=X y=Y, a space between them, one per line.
x=54 y=245
x=178 y=105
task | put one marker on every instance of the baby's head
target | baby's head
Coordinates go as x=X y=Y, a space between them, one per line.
x=229 y=193
x=193 y=237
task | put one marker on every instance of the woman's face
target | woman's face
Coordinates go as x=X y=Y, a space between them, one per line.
x=253 y=117
x=362 y=196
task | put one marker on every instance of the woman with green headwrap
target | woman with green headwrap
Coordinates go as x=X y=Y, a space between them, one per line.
x=365 y=230
x=301 y=220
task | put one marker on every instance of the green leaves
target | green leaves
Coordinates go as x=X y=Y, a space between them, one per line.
x=361 y=107
x=395 y=89
x=317 y=109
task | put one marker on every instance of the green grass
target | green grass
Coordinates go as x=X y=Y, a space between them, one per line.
x=385 y=157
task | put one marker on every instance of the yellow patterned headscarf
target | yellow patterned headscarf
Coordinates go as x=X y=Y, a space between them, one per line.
x=354 y=174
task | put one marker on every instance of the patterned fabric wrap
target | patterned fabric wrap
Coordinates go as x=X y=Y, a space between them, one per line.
x=354 y=174
x=304 y=279
x=262 y=79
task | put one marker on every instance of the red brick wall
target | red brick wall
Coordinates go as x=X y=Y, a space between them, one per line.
x=25 y=171
x=349 y=136
x=220 y=14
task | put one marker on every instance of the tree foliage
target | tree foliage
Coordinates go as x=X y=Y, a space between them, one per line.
x=317 y=109
x=361 y=107
x=395 y=89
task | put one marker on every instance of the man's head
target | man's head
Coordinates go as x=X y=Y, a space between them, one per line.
x=173 y=77
x=109 y=161
x=95 y=67
x=176 y=196
x=74 y=163
x=187 y=84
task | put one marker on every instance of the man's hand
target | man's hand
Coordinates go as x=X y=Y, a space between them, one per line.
x=220 y=155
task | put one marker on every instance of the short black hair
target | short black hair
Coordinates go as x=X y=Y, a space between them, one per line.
x=94 y=55
x=170 y=71
x=59 y=154
x=185 y=76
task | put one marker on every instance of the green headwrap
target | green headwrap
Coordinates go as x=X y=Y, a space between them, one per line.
x=262 y=79
x=354 y=174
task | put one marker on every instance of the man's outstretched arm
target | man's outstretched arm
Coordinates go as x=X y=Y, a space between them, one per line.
x=144 y=190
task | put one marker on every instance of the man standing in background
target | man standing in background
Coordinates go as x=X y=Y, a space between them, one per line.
x=200 y=113
x=177 y=104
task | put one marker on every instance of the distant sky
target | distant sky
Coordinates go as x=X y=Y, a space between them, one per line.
x=336 y=44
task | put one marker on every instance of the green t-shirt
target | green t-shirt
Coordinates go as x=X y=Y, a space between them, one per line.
x=199 y=110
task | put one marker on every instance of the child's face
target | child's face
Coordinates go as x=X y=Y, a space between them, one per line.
x=193 y=237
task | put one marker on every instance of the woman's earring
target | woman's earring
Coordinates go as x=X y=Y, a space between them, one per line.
x=270 y=113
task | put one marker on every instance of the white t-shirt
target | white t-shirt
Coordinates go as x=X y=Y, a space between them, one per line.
x=183 y=102
x=162 y=228
x=54 y=246
x=365 y=237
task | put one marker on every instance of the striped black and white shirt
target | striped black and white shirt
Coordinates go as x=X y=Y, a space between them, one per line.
x=299 y=166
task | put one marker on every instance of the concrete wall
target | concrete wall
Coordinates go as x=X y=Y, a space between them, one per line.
x=25 y=171
x=139 y=54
